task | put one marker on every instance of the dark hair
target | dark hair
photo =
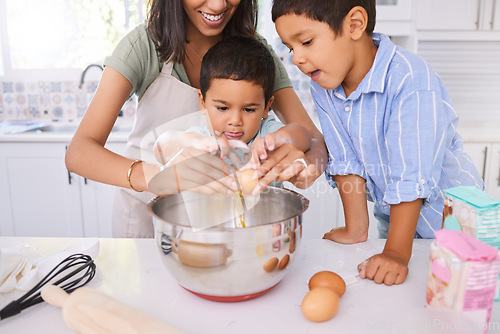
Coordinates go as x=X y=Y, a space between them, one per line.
x=166 y=26
x=239 y=58
x=332 y=12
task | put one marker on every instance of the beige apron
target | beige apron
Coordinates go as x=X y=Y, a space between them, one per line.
x=167 y=104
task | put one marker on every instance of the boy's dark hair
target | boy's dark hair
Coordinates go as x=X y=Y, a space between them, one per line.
x=332 y=12
x=167 y=20
x=239 y=58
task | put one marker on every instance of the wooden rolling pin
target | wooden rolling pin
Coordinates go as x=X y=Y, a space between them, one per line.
x=88 y=311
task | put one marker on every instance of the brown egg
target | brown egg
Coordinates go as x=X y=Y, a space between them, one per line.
x=320 y=304
x=271 y=264
x=284 y=261
x=247 y=183
x=328 y=279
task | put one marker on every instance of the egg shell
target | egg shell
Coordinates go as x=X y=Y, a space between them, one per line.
x=328 y=279
x=271 y=264
x=247 y=183
x=320 y=304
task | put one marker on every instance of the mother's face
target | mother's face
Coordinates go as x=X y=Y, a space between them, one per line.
x=209 y=17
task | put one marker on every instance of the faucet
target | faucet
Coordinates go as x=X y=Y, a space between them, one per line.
x=82 y=78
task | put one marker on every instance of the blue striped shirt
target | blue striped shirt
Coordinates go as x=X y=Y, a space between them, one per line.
x=397 y=130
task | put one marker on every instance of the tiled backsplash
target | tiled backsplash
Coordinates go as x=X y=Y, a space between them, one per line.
x=64 y=100
x=50 y=100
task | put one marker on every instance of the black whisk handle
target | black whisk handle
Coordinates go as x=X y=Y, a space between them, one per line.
x=10 y=309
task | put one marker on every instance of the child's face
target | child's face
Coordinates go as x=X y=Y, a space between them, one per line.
x=317 y=51
x=235 y=108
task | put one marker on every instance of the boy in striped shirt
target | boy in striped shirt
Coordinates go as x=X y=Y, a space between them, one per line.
x=388 y=123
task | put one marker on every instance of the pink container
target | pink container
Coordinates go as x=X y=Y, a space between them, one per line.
x=463 y=273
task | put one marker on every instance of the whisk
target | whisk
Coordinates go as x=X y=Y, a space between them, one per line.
x=69 y=282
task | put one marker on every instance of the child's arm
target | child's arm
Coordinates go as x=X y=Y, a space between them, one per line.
x=352 y=190
x=391 y=266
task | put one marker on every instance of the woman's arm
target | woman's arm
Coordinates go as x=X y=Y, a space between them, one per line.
x=289 y=109
x=86 y=154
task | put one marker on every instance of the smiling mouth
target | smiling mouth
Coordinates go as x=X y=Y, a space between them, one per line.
x=213 y=18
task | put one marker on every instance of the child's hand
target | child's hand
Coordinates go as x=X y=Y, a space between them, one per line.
x=344 y=236
x=388 y=268
x=262 y=145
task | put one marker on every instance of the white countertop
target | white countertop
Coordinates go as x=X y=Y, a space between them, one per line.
x=55 y=137
x=130 y=271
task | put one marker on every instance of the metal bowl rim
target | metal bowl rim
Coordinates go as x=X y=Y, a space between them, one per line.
x=219 y=228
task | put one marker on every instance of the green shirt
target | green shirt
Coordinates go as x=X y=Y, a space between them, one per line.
x=136 y=59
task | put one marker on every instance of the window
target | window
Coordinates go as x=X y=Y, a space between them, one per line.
x=54 y=38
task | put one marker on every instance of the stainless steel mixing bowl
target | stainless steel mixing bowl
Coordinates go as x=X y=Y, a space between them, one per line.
x=201 y=247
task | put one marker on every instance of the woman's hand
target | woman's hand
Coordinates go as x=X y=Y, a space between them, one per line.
x=194 y=170
x=282 y=161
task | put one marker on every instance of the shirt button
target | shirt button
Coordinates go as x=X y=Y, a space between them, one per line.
x=347 y=109
x=422 y=181
x=384 y=203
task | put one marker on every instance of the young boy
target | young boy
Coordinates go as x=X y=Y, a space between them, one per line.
x=236 y=86
x=388 y=124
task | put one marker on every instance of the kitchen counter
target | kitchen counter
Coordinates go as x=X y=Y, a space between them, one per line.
x=130 y=271
x=51 y=137
x=32 y=131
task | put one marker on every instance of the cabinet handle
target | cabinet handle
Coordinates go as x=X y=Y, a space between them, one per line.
x=498 y=178
x=69 y=177
x=85 y=180
x=478 y=13
x=484 y=161
x=492 y=22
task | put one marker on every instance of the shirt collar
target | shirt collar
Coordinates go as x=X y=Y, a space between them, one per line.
x=375 y=79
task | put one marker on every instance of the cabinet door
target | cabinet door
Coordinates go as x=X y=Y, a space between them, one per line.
x=493 y=176
x=39 y=196
x=448 y=14
x=97 y=202
x=494 y=19
x=324 y=211
x=394 y=10
x=479 y=152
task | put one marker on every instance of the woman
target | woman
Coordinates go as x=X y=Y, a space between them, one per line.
x=160 y=62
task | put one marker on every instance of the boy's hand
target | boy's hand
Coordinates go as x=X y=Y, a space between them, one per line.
x=342 y=235
x=262 y=145
x=391 y=266
x=388 y=268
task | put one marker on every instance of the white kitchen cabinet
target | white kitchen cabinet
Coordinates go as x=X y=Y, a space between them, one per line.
x=479 y=154
x=493 y=176
x=458 y=15
x=36 y=195
x=495 y=17
x=39 y=197
x=394 y=10
x=486 y=157
x=324 y=211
